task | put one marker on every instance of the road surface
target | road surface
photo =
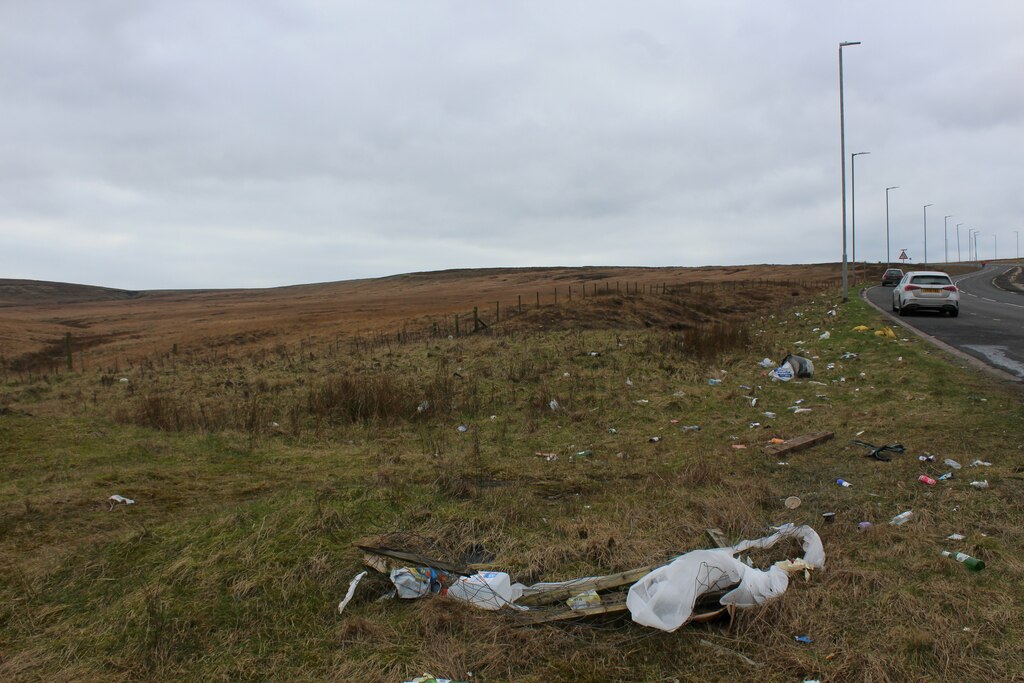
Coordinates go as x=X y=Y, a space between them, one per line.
x=991 y=322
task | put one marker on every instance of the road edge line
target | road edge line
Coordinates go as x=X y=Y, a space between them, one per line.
x=938 y=343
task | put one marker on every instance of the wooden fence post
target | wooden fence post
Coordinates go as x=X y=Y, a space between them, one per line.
x=456 y=324
x=497 y=311
x=570 y=292
x=556 y=295
x=67 y=350
x=476 y=319
x=538 y=299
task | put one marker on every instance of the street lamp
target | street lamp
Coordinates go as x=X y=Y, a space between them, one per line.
x=888 y=261
x=925 y=262
x=853 y=208
x=972 y=242
x=945 y=236
x=842 y=158
x=995 y=249
x=1017 y=233
x=958 y=242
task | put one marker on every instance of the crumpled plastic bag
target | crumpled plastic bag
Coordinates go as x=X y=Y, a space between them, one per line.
x=885 y=332
x=664 y=599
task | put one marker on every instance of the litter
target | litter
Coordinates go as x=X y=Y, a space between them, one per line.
x=613 y=430
x=550 y=457
x=981 y=463
x=690 y=428
x=424 y=405
x=629 y=382
x=654 y=439
x=885 y=332
x=806 y=640
x=802 y=367
x=643 y=401
x=351 y=591
x=766 y=363
x=554 y=404
x=861 y=328
x=877 y=451
x=902 y=518
x=829 y=517
x=863 y=526
x=796 y=410
x=665 y=598
x=776 y=441
x=584 y=454
x=754 y=425
x=926 y=458
x=463 y=428
x=956 y=537
x=951 y=463
x=849 y=356
x=983 y=484
x=925 y=479
x=431 y=678
x=116 y=500
x=972 y=563
x=845 y=484
x=769 y=414
x=714 y=382
x=739 y=446
x=798 y=444
x=792 y=503
x=487 y=590
x=946 y=477
x=415 y=582
x=824 y=335
x=584 y=600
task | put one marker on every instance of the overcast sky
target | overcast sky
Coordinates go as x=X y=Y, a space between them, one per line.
x=258 y=143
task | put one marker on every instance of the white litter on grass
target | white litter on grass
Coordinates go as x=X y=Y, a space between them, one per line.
x=554 y=404
x=824 y=335
x=351 y=591
x=664 y=599
x=982 y=463
x=123 y=380
x=116 y=500
x=956 y=537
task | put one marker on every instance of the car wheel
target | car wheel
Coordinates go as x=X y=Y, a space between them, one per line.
x=901 y=310
x=894 y=305
x=955 y=313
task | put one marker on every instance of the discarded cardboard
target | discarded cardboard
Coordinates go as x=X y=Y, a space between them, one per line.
x=799 y=443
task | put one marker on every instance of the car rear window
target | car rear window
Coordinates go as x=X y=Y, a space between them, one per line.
x=894 y=272
x=941 y=280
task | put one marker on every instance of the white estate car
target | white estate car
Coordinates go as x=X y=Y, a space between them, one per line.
x=926 y=290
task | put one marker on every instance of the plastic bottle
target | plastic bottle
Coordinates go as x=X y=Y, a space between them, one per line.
x=845 y=484
x=902 y=518
x=952 y=463
x=487 y=590
x=972 y=563
x=925 y=479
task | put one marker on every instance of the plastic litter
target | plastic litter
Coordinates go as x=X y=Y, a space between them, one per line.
x=981 y=463
x=792 y=502
x=885 y=332
x=554 y=404
x=487 y=590
x=739 y=446
x=463 y=428
x=849 y=356
x=863 y=526
x=926 y=458
x=946 y=477
x=664 y=599
x=116 y=500
x=956 y=537
x=861 y=328
x=766 y=363
x=824 y=335
x=714 y=382
x=431 y=678
x=583 y=600
x=902 y=518
x=951 y=463
x=769 y=414
x=654 y=439
x=983 y=484
x=783 y=373
x=925 y=479
x=876 y=452
x=351 y=591
x=690 y=428
x=415 y=582
x=829 y=517
x=806 y=640
x=845 y=484
x=802 y=367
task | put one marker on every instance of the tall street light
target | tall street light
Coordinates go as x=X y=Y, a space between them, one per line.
x=926 y=233
x=1017 y=233
x=958 y=242
x=972 y=241
x=842 y=158
x=995 y=249
x=945 y=236
x=888 y=261
x=853 y=208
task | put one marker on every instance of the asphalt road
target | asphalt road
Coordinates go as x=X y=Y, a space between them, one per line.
x=991 y=322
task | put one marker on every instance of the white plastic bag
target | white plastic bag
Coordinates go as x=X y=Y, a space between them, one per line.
x=487 y=590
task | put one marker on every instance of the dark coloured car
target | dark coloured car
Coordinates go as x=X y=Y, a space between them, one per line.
x=892 y=277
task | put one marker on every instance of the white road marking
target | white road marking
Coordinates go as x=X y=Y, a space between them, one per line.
x=996 y=355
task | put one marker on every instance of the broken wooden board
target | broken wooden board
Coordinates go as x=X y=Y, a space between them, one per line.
x=799 y=443
x=417 y=560
x=717 y=537
x=567 y=590
x=616 y=602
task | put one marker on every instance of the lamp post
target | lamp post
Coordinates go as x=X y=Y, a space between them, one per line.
x=1017 y=233
x=842 y=158
x=958 y=242
x=972 y=242
x=926 y=233
x=888 y=261
x=995 y=249
x=945 y=236
x=853 y=208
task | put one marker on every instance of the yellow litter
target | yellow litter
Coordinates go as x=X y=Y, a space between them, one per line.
x=861 y=328
x=885 y=332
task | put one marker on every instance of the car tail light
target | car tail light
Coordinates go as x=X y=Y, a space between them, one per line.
x=950 y=288
x=910 y=288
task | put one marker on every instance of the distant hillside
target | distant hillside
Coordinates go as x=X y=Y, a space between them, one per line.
x=22 y=292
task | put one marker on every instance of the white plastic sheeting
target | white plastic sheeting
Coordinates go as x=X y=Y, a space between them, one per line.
x=664 y=599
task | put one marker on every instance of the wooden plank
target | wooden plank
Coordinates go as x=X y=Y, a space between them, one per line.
x=717 y=537
x=598 y=583
x=417 y=560
x=799 y=443
x=616 y=602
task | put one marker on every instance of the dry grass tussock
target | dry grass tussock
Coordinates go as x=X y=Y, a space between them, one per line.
x=255 y=476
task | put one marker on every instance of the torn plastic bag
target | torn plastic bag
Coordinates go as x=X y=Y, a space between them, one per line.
x=664 y=599
x=802 y=367
x=783 y=373
x=415 y=582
